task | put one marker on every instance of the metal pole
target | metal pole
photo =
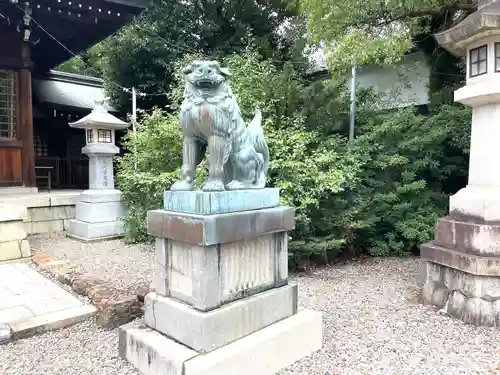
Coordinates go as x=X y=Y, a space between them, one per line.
x=134 y=118
x=352 y=119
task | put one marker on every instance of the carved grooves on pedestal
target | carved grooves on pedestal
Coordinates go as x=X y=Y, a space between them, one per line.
x=247 y=264
x=181 y=269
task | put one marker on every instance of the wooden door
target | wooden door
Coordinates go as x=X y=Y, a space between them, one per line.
x=10 y=165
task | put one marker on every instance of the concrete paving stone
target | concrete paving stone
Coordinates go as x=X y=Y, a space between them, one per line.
x=25 y=288
x=10 y=300
x=31 y=303
x=23 y=267
x=5 y=293
x=35 y=276
x=14 y=313
x=59 y=319
x=11 y=275
x=46 y=305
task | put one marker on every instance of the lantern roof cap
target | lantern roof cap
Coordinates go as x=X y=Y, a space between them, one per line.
x=482 y=23
x=99 y=118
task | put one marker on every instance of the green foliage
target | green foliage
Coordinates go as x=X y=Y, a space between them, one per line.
x=377 y=32
x=408 y=161
x=141 y=55
x=156 y=149
x=88 y=63
x=380 y=194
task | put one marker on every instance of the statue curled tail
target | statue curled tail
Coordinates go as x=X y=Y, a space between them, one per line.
x=256 y=137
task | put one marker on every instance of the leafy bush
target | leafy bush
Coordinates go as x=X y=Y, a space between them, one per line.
x=407 y=161
x=380 y=194
x=156 y=149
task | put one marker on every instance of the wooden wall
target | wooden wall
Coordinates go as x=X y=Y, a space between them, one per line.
x=16 y=155
x=10 y=166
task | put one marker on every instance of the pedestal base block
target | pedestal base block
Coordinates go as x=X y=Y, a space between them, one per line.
x=219 y=202
x=88 y=232
x=99 y=212
x=207 y=331
x=264 y=352
x=478 y=204
x=101 y=195
x=98 y=216
x=474 y=299
x=461 y=269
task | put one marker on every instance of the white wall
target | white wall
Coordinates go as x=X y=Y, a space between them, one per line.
x=402 y=85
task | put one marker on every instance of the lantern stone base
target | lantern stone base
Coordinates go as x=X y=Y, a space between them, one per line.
x=462 y=270
x=98 y=216
x=264 y=352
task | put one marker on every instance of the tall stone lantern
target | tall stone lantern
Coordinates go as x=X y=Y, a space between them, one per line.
x=99 y=211
x=462 y=264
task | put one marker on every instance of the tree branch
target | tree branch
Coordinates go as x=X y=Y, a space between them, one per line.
x=387 y=17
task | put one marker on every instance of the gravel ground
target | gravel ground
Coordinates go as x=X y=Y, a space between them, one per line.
x=373 y=323
x=125 y=267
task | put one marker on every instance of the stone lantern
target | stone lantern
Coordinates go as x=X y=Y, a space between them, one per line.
x=462 y=264
x=99 y=211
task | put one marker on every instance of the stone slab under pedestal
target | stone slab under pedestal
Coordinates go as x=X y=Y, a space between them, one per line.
x=207 y=331
x=264 y=352
x=209 y=203
x=90 y=232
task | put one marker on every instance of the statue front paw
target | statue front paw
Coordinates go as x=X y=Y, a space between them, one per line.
x=235 y=185
x=182 y=185
x=214 y=185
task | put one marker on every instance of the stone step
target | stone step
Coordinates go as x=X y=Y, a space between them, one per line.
x=17 y=190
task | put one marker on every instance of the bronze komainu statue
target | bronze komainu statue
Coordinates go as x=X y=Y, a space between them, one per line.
x=210 y=119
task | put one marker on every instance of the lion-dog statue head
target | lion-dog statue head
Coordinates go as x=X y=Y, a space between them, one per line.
x=206 y=79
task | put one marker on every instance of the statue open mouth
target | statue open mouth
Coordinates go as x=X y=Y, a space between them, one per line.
x=206 y=84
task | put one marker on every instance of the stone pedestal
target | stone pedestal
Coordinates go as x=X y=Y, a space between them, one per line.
x=222 y=302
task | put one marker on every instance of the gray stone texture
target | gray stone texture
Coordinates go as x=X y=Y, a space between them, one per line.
x=99 y=212
x=473 y=264
x=209 y=203
x=5 y=333
x=471 y=298
x=150 y=352
x=461 y=269
x=98 y=216
x=468 y=237
x=95 y=196
x=208 y=331
x=207 y=277
x=262 y=353
x=475 y=26
x=84 y=231
x=206 y=230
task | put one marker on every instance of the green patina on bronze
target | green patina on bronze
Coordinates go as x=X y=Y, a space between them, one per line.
x=211 y=122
